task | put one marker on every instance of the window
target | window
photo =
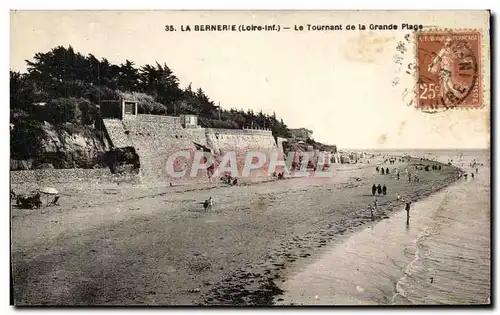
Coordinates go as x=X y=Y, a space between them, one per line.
x=129 y=108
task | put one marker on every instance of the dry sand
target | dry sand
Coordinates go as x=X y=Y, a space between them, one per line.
x=124 y=245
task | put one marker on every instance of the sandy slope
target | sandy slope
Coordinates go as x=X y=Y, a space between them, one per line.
x=137 y=245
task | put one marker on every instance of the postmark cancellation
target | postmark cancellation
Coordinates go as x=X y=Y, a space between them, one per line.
x=449 y=69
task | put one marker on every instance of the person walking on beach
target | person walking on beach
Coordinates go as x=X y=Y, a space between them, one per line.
x=373 y=208
x=379 y=189
x=407 y=208
x=398 y=197
x=384 y=190
x=409 y=178
x=387 y=170
x=208 y=204
x=377 y=169
x=472 y=175
x=374 y=190
x=382 y=171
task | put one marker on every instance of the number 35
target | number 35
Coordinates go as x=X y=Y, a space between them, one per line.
x=428 y=87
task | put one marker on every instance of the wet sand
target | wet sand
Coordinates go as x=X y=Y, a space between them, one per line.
x=122 y=245
x=441 y=258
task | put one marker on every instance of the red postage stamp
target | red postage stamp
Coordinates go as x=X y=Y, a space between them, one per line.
x=449 y=70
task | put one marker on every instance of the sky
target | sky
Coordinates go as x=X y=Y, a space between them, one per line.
x=340 y=84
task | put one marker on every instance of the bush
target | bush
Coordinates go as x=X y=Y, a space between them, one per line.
x=214 y=123
x=146 y=103
x=88 y=112
x=18 y=115
x=111 y=109
x=68 y=110
x=98 y=93
x=61 y=110
x=25 y=139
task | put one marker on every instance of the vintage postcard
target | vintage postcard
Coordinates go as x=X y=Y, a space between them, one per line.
x=249 y=158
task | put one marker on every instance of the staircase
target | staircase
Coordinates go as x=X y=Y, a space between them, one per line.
x=117 y=133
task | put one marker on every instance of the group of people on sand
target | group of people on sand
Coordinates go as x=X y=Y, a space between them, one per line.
x=473 y=164
x=382 y=189
x=391 y=161
x=279 y=175
x=413 y=178
x=230 y=180
x=386 y=171
x=436 y=167
x=382 y=171
x=427 y=168
x=466 y=175
x=379 y=190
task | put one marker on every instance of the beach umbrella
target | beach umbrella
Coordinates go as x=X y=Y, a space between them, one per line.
x=49 y=191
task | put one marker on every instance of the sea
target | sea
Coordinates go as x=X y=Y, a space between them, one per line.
x=442 y=257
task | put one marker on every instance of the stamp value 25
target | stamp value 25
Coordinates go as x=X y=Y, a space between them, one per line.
x=449 y=70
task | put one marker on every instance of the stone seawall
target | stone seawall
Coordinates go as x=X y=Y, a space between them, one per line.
x=173 y=121
x=70 y=176
x=243 y=142
x=156 y=138
x=156 y=141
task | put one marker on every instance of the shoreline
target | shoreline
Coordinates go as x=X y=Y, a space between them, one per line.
x=371 y=257
x=269 y=291
x=164 y=252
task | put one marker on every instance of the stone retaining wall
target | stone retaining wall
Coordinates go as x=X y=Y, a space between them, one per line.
x=156 y=138
x=73 y=175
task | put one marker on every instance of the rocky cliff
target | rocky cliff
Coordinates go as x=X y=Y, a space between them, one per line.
x=66 y=146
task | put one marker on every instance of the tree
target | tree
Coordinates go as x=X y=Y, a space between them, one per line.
x=71 y=85
x=161 y=83
x=60 y=72
x=128 y=77
x=205 y=105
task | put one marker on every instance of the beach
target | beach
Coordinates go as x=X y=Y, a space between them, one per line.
x=127 y=245
x=441 y=257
